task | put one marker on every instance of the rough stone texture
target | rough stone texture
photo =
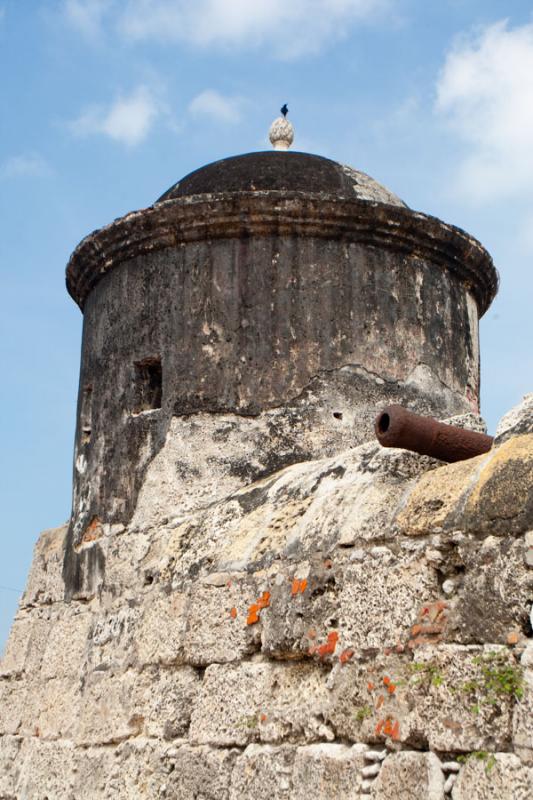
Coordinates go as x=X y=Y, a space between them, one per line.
x=501 y=778
x=523 y=714
x=406 y=776
x=46 y=770
x=285 y=640
x=492 y=493
x=328 y=772
x=156 y=702
x=438 y=700
x=517 y=421
x=9 y=765
x=203 y=772
x=263 y=772
x=260 y=702
x=45 y=582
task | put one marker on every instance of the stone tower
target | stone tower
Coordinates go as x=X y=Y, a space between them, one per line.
x=233 y=608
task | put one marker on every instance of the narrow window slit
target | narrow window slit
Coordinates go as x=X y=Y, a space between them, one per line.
x=148 y=384
x=86 y=414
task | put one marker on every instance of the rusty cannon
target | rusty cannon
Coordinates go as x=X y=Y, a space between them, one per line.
x=395 y=426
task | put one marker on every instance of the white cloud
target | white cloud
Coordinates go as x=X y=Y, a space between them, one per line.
x=213 y=104
x=485 y=90
x=290 y=28
x=87 y=15
x=26 y=165
x=128 y=120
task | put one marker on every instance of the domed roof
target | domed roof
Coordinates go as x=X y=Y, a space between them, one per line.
x=281 y=171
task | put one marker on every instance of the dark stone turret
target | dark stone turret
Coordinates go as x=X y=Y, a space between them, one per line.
x=288 y=295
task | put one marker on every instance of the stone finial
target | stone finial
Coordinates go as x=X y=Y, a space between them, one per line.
x=281 y=134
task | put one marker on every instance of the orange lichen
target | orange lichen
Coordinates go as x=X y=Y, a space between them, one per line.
x=264 y=600
x=346 y=655
x=388 y=727
x=256 y=608
x=391 y=688
x=263 y=718
x=370 y=686
x=233 y=613
x=386 y=680
x=298 y=586
x=329 y=647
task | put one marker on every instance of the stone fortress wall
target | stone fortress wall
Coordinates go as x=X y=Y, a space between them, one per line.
x=350 y=627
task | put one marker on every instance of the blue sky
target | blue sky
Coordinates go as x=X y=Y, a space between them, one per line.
x=106 y=103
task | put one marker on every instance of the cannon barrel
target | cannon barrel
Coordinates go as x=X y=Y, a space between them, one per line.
x=395 y=426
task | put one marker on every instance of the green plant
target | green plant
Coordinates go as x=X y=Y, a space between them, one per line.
x=499 y=679
x=425 y=672
x=480 y=755
x=248 y=722
x=363 y=713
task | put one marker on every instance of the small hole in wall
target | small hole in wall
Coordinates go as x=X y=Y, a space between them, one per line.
x=148 y=579
x=148 y=384
x=337 y=414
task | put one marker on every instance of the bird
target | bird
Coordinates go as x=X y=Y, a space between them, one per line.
x=284 y=109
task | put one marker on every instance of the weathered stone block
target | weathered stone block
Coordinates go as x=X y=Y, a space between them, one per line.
x=517 y=421
x=380 y=597
x=328 y=772
x=46 y=770
x=165 y=698
x=108 y=712
x=9 y=765
x=161 y=631
x=200 y=772
x=409 y=776
x=493 y=592
x=434 y=502
x=156 y=702
x=497 y=777
x=258 y=701
x=93 y=768
x=263 y=772
x=523 y=713
x=216 y=629
x=501 y=501
x=26 y=643
x=45 y=582
x=52 y=709
x=13 y=695
x=367 y=603
x=115 y=639
x=492 y=493
x=66 y=645
x=443 y=699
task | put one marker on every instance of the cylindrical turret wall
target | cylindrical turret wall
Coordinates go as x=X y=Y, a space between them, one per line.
x=271 y=321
